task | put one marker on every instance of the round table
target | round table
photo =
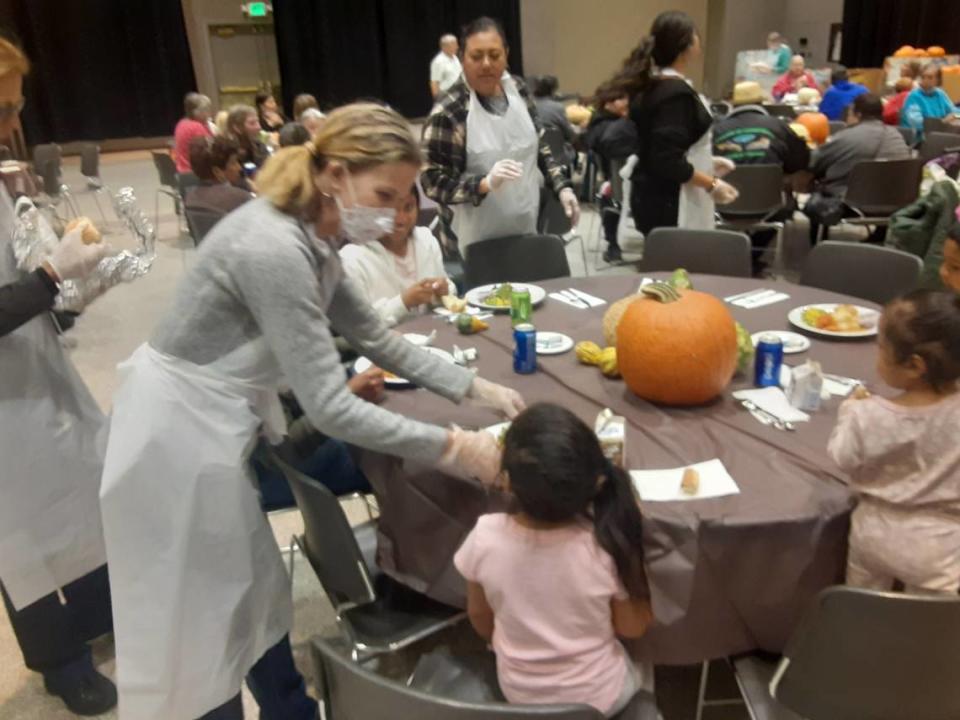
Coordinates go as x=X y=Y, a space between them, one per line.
x=727 y=574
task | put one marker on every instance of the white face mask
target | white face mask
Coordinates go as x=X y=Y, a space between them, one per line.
x=362 y=224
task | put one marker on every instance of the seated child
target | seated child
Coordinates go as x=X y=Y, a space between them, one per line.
x=555 y=583
x=403 y=272
x=902 y=454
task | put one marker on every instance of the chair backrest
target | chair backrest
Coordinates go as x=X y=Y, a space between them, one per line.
x=523 y=258
x=761 y=191
x=42 y=154
x=201 y=221
x=90 y=160
x=836 y=126
x=328 y=541
x=782 y=111
x=186 y=181
x=938 y=125
x=552 y=220
x=716 y=252
x=719 y=109
x=166 y=168
x=881 y=187
x=864 y=271
x=49 y=172
x=936 y=144
x=557 y=143
x=351 y=692
x=866 y=654
x=909 y=135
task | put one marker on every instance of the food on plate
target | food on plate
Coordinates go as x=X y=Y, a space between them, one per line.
x=500 y=296
x=589 y=353
x=502 y=436
x=676 y=347
x=387 y=375
x=453 y=303
x=745 y=349
x=844 y=319
x=690 y=483
x=469 y=324
x=90 y=235
x=860 y=393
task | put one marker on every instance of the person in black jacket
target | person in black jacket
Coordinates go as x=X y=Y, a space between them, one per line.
x=675 y=181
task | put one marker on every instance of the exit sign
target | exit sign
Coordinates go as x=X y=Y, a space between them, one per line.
x=257 y=9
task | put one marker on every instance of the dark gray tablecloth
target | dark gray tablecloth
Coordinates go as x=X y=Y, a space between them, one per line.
x=726 y=574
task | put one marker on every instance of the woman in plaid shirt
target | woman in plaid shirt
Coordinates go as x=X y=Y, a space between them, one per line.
x=485 y=153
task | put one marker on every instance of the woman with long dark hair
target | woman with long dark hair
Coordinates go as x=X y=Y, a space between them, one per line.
x=676 y=181
x=554 y=584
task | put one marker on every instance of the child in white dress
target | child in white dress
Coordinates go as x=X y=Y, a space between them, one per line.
x=902 y=454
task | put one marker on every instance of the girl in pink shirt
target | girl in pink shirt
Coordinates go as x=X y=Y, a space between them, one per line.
x=554 y=584
x=902 y=454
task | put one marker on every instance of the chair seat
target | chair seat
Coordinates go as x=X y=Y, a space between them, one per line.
x=468 y=678
x=754 y=674
x=399 y=616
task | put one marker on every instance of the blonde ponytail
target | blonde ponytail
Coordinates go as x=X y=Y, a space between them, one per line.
x=12 y=59
x=360 y=136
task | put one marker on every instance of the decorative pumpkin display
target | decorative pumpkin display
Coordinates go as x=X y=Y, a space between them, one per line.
x=589 y=353
x=608 y=362
x=950 y=69
x=676 y=347
x=817 y=125
x=936 y=51
x=468 y=324
x=745 y=350
x=904 y=51
x=680 y=280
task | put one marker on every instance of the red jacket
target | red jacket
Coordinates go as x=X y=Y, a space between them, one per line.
x=790 y=84
x=186 y=131
x=893 y=106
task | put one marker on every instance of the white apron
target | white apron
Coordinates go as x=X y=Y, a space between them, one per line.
x=199 y=588
x=512 y=209
x=697 y=210
x=52 y=436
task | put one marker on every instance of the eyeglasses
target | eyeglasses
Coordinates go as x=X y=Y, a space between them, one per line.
x=14 y=108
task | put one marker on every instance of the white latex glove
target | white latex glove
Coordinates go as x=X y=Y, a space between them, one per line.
x=724 y=193
x=506 y=400
x=471 y=454
x=722 y=166
x=71 y=259
x=503 y=171
x=568 y=198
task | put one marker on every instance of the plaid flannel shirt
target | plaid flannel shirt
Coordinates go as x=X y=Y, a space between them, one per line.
x=444 y=178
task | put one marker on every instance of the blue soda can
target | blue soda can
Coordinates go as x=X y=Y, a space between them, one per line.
x=768 y=361
x=525 y=349
x=249 y=170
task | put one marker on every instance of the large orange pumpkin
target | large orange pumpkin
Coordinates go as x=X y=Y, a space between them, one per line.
x=676 y=347
x=817 y=125
x=936 y=51
x=904 y=51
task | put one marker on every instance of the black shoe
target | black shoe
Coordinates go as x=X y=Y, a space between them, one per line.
x=612 y=254
x=84 y=690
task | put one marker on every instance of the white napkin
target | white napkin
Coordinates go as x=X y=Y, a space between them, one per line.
x=774 y=401
x=755 y=301
x=561 y=298
x=664 y=485
x=589 y=299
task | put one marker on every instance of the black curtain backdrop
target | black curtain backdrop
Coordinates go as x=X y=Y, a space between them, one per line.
x=344 y=50
x=874 y=29
x=102 y=69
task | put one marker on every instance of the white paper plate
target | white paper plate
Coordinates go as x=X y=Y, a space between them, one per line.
x=868 y=317
x=553 y=343
x=363 y=364
x=792 y=342
x=477 y=295
x=416 y=339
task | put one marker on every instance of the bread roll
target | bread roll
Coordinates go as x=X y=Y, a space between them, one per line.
x=690 y=484
x=90 y=235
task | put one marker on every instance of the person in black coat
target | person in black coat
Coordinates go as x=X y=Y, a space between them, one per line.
x=671 y=120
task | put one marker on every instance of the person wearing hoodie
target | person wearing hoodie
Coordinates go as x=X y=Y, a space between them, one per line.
x=840 y=94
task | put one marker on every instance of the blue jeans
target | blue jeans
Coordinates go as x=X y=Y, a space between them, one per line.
x=276 y=685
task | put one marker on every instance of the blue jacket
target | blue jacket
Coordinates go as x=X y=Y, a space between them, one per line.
x=838 y=96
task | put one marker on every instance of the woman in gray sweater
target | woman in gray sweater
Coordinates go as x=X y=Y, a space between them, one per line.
x=201 y=597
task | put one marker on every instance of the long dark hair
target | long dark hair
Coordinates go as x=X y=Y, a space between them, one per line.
x=670 y=35
x=926 y=323
x=558 y=473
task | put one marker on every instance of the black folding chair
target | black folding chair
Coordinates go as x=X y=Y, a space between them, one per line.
x=715 y=252
x=90 y=169
x=878 y=188
x=782 y=111
x=169 y=184
x=201 y=222
x=862 y=270
x=553 y=220
x=862 y=654
x=520 y=258
x=761 y=201
x=936 y=144
x=909 y=135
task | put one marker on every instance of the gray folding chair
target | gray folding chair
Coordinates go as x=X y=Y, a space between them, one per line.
x=909 y=135
x=878 y=188
x=351 y=692
x=862 y=654
x=836 y=126
x=760 y=201
x=552 y=220
x=520 y=258
x=936 y=144
x=54 y=189
x=90 y=169
x=201 y=221
x=782 y=111
x=870 y=272
x=715 y=252
x=376 y=614
x=169 y=184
